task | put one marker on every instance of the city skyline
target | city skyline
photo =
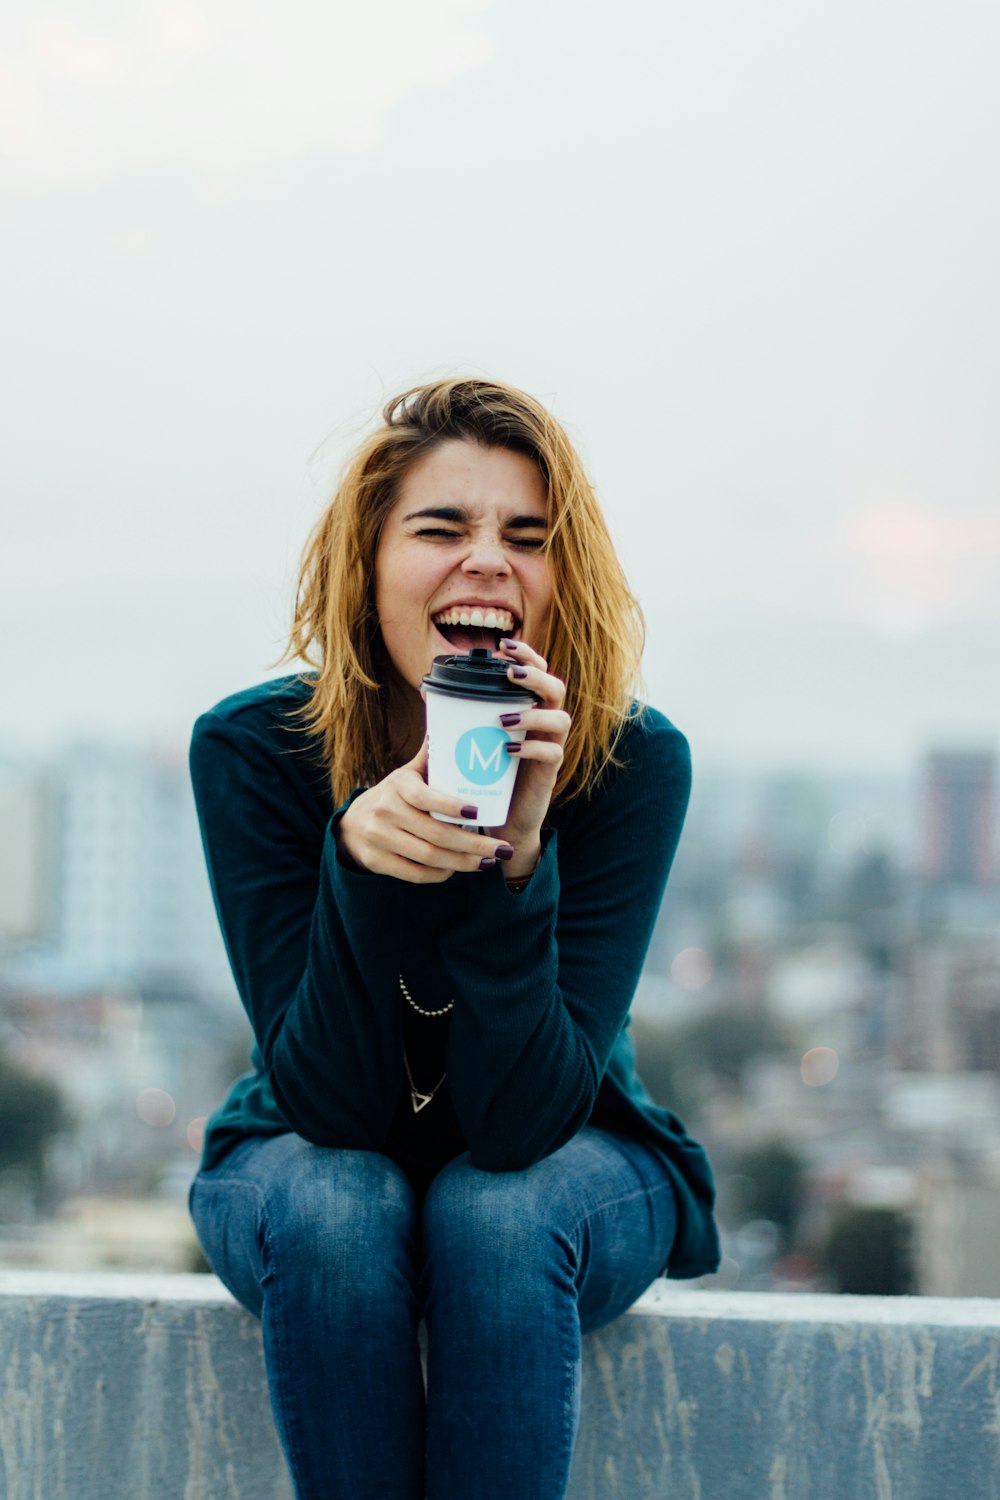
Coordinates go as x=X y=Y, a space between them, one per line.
x=747 y=256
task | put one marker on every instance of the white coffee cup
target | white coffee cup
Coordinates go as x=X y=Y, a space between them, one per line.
x=465 y=696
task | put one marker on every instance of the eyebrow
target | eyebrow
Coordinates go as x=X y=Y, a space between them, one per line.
x=458 y=513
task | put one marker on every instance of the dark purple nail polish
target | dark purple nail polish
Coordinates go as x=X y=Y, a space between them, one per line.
x=509 y=720
x=486 y=863
x=505 y=851
x=519 y=671
x=510 y=645
x=470 y=812
x=513 y=747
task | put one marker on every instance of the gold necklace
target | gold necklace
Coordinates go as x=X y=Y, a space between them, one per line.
x=418 y=1099
x=442 y=1012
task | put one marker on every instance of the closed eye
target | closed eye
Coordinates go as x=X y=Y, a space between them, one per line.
x=530 y=544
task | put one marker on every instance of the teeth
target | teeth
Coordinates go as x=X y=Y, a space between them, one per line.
x=479 y=619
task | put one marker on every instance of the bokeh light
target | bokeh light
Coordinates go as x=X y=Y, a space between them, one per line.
x=691 y=969
x=155 y=1107
x=820 y=1065
x=196 y=1133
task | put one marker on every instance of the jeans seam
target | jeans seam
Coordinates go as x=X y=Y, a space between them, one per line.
x=600 y=1208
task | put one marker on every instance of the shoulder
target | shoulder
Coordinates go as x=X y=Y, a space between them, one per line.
x=650 y=751
x=649 y=734
x=261 y=706
x=258 y=727
x=648 y=783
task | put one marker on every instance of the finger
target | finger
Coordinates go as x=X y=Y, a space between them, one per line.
x=438 y=857
x=395 y=816
x=414 y=791
x=550 y=721
x=551 y=690
x=405 y=869
x=419 y=761
x=546 y=751
x=521 y=651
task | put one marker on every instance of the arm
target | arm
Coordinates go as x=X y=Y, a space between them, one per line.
x=311 y=942
x=545 y=978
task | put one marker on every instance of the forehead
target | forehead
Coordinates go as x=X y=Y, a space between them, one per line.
x=475 y=479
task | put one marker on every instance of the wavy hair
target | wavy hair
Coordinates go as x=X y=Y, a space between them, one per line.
x=595 y=634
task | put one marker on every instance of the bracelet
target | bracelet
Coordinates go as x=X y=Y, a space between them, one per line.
x=517 y=886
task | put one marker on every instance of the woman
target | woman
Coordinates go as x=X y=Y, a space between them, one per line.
x=444 y=1120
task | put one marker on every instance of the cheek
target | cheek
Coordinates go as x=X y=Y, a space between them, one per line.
x=541 y=588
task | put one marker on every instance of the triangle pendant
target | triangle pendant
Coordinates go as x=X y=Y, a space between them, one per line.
x=419 y=1100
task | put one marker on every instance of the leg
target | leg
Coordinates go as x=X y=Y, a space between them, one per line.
x=321 y=1245
x=517 y=1265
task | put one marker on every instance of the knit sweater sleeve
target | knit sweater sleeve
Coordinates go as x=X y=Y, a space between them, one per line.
x=543 y=980
x=306 y=938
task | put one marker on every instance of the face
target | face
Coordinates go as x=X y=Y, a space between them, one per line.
x=458 y=563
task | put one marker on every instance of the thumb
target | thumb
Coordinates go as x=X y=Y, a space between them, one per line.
x=419 y=761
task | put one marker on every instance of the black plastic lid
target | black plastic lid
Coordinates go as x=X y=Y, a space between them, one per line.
x=480 y=674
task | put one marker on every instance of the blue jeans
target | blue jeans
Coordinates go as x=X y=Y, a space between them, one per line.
x=339 y=1257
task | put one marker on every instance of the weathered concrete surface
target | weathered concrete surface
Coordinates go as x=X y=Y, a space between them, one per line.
x=152 y=1388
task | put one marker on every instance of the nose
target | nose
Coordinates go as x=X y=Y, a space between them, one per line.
x=486 y=558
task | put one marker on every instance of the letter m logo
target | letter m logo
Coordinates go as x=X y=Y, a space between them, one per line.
x=488 y=765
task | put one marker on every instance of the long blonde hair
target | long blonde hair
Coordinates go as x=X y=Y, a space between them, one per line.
x=595 y=632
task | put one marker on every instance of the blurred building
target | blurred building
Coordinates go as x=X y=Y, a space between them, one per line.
x=130 y=897
x=959 y=818
x=26 y=828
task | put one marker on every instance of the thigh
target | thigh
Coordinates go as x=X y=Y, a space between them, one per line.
x=627 y=1219
x=598 y=1216
x=281 y=1196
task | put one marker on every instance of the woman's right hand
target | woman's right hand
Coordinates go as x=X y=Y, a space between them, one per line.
x=389 y=830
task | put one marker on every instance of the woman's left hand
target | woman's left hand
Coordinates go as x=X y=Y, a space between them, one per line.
x=540 y=754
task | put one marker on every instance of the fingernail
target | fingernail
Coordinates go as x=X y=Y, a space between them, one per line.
x=470 y=812
x=513 y=747
x=509 y=720
x=486 y=863
x=510 y=645
x=505 y=851
x=518 y=671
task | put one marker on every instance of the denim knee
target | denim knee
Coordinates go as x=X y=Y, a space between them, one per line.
x=344 y=1219
x=494 y=1228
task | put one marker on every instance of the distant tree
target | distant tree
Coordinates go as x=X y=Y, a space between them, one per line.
x=868 y=1252
x=677 y=1063
x=772 y=1185
x=661 y=1067
x=723 y=1040
x=31 y=1112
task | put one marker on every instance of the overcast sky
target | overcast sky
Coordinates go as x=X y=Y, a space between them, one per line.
x=746 y=250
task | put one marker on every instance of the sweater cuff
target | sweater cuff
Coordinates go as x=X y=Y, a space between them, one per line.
x=493 y=906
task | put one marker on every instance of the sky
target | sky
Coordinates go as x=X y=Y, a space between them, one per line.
x=745 y=252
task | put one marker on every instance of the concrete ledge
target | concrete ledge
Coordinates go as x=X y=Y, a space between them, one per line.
x=120 y=1387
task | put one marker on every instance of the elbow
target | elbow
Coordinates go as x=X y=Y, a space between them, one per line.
x=335 y=1124
x=500 y=1147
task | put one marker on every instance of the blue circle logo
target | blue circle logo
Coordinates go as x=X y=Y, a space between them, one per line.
x=480 y=755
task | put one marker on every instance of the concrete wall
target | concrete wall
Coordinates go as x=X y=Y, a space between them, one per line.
x=152 y=1388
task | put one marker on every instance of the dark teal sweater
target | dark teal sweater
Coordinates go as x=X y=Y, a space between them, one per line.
x=537 y=1043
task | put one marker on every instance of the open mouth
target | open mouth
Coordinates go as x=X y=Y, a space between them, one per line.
x=466 y=629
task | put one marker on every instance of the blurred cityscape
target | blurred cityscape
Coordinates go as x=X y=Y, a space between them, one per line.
x=821 y=1005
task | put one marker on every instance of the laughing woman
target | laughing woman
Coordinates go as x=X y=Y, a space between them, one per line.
x=443 y=1120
